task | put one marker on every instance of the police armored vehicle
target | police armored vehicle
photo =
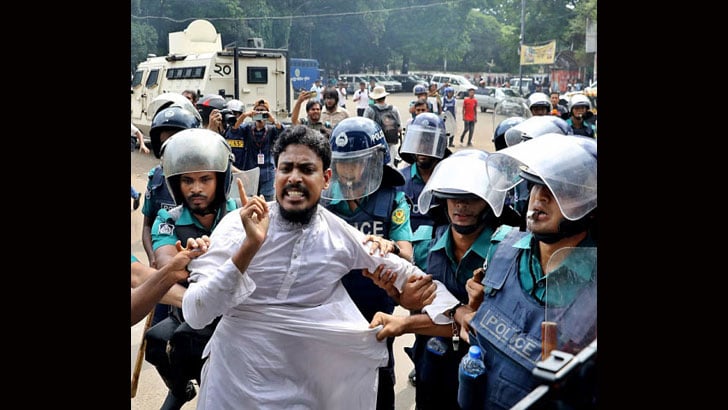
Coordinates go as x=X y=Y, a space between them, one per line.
x=197 y=61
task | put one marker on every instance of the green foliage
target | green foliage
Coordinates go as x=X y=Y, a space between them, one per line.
x=376 y=35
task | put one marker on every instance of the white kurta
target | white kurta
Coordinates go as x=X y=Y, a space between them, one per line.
x=290 y=336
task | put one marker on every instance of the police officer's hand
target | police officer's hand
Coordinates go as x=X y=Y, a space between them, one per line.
x=384 y=278
x=475 y=289
x=464 y=323
x=417 y=292
x=254 y=215
x=177 y=266
x=393 y=325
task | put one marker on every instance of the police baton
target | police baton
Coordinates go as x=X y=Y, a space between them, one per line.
x=140 y=355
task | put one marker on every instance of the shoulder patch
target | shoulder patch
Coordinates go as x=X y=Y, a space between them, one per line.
x=398 y=216
x=166 y=229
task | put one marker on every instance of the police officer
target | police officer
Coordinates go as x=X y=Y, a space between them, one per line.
x=561 y=172
x=166 y=123
x=458 y=248
x=580 y=116
x=424 y=146
x=539 y=104
x=197 y=165
x=362 y=192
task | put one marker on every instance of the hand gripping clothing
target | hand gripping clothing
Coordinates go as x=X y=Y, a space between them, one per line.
x=290 y=336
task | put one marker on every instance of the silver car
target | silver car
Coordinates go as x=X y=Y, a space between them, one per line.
x=490 y=97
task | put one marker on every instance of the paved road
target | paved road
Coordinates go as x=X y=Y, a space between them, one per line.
x=151 y=390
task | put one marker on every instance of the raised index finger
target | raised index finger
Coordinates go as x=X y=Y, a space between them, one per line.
x=241 y=191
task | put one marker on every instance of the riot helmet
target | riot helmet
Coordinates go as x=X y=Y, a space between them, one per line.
x=207 y=103
x=448 y=89
x=499 y=136
x=579 y=100
x=359 y=160
x=165 y=100
x=461 y=175
x=419 y=89
x=170 y=118
x=237 y=106
x=538 y=100
x=566 y=164
x=197 y=150
x=426 y=135
x=536 y=126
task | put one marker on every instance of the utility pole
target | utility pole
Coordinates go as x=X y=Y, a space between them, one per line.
x=520 y=49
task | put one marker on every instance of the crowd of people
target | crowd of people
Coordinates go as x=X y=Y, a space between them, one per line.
x=284 y=296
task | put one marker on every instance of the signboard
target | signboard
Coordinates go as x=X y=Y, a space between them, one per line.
x=544 y=54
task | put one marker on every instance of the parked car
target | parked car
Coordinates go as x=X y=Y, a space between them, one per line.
x=489 y=97
x=525 y=87
x=459 y=83
x=352 y=81
x=409 y=81
x=391 y=86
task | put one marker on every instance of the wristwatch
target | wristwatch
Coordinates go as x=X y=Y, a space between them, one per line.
x=396 y=250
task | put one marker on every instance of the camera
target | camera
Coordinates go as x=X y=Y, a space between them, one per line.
x=260 y=116
x=229 y=117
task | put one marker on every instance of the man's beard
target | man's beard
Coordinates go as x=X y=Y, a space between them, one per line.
x=302 y=216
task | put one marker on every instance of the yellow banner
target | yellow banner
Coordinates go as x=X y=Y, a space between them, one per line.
x=538 y=54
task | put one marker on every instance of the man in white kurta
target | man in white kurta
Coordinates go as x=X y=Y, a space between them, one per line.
x=290 y=336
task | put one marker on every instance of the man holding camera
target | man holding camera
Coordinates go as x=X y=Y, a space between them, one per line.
x=251 y=143
x=313 y=109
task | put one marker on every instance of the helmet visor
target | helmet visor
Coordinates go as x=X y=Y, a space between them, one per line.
x=355 y=174
x=448 y=180
x=563 y=162
x=424 y=140
x=250 y=180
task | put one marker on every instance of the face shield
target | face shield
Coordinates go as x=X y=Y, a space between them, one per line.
x=422 y=139
x=449 y=177
x=250 y=180
x=566 y=163
x=169 y=99
x=535 y=127
x=355 y=174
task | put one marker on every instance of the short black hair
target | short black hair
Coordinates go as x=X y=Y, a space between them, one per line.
x=311 y=103
x=303 y=135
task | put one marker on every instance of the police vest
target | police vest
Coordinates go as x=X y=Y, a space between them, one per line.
x=158 y=193
x=507 y=326
x=413 y=188
x=374 y=217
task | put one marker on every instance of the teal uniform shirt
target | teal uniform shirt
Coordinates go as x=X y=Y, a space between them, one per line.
x=400 y=229
x=422 y=235
x=531 y=274
x=134 y=259
x=473 y=257
x=164 y=235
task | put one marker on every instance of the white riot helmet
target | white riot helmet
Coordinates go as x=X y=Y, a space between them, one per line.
x=567 y=165
x=235 y=105
x=539 y=100
x=536 y=126
x=461 y=175
x=166 y=100
x=579 y=100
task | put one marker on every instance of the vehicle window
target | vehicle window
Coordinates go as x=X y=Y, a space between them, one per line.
x=454 y=82
x=137 y=78
x=152 y=79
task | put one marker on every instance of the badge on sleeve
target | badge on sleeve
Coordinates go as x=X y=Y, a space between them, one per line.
x=398 y=216
x=166 y=229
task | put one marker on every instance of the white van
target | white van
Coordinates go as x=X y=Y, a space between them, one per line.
x=459 y=83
